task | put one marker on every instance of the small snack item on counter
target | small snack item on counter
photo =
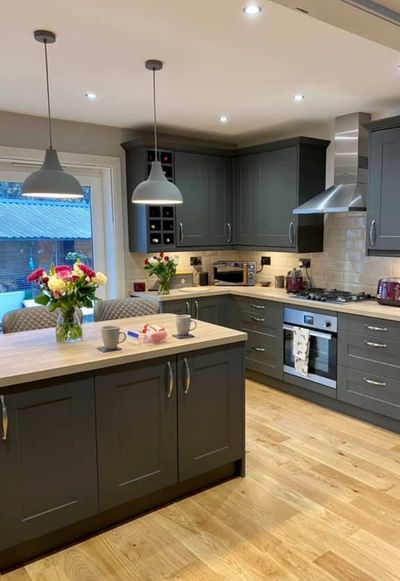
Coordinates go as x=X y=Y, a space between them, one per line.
x=149 y=334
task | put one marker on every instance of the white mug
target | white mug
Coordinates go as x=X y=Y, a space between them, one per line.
x=184 y=325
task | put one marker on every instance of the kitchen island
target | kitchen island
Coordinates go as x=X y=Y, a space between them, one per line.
x=90 y=439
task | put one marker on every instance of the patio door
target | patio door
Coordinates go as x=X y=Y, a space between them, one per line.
x=35 y=232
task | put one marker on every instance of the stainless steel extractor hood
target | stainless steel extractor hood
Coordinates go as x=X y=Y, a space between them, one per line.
x=349 y=193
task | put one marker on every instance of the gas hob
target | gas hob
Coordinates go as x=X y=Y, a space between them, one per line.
x=324 y=295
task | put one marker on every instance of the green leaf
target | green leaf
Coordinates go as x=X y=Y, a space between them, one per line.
x=42 y=299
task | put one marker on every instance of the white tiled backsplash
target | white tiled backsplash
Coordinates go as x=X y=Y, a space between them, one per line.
x=343 y=264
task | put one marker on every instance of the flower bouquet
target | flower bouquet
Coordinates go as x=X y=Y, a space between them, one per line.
x=163 y=267
x=67 y=288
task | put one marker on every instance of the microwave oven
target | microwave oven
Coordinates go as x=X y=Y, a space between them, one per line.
x=235 y=272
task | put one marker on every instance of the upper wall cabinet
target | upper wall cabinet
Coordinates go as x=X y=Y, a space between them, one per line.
x=231 y=198
x=383 y=232
x=269 y=185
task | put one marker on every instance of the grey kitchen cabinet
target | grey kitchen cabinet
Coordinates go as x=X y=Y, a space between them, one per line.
x=192 y=217
x=383 y=233
x=136 y=430
x=270 y=181
x=48 y=459
x=210 y=410
x=221 y=201
x=213 y=310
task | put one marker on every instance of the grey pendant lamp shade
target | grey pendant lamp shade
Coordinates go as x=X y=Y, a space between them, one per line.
x=51 y=180
x=156 y=190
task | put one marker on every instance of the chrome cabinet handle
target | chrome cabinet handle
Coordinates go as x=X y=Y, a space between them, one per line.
x=257 y=306
x=291 y=232
x=372 y=232
x=170 y=380
x=187 y=308
x=371 y=328
x=188 y=378
x=180 y=233
x=229 y=232
x=371 y=344
x=4 y=417
x=262 y=349
x=257 y=319
x=372 y=382
x=197 y=309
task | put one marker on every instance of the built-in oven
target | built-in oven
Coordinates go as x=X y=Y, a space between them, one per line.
x=322 y=360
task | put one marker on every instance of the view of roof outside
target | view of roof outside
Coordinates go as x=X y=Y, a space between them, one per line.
x=37 y=233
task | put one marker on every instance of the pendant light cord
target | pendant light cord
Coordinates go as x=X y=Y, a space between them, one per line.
x=48 y=95
x=155 y=115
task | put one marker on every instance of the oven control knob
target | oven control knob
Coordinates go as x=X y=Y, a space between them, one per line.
x=328 y=324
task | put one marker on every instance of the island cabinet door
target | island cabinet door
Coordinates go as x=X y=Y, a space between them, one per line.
x=48 y=472
x=210 y=409
x=136 y=430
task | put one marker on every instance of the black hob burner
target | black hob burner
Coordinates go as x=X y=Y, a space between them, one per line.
x=331 y=295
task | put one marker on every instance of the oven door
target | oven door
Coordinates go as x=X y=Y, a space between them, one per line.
x=322 y=361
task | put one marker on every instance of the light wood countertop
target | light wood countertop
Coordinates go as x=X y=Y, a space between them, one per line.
x=35 y=355
x=369 y=308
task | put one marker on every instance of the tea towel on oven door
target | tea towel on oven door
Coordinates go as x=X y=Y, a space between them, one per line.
x=301 y=349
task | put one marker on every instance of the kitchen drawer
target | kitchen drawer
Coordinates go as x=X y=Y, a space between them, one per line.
x=269 y=309
x=263 y=323
x=376 y=393
x=378 y=329
x=262 y=354
x=366 y=353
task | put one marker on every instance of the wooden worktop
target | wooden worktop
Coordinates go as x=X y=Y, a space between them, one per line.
x=35 y=355
x=370 y=308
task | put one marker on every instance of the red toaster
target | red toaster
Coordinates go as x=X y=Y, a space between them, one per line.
x=388 y=292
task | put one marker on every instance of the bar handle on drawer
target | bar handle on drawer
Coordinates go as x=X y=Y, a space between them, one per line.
x=4 y=417
x=262 y=349
x=257 y=306
x=376 y=383
x=187 y=308
x=371 y=344
x=229 y=232
x=372 y=233
x=188 y=378
x=372 y=328
x=170 y=380
x=257 y=319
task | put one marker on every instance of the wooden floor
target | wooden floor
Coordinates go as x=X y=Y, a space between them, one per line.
x=321 y=501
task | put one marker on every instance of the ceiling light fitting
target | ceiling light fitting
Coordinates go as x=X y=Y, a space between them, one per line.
x=91 y=96
x=223 y=119
x=51 y=180
x=298 y=98
x=156 y=190
x=252 y=10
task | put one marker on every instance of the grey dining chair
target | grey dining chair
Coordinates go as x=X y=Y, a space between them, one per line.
x=124 y=308
x=29 y=319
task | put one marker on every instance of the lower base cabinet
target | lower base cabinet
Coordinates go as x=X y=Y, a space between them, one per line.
x=79 y=447
x=48 y=477
x=213 y=310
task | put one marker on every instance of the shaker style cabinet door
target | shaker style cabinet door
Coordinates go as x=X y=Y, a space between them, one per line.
x=136 y=430
x=221 y=203
x=383 y=232
x=276 y=198
x=48 y=472
x=210 y=410
x=246 y=171
x=192 y=217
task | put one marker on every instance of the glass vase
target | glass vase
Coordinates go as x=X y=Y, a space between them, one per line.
x=69 y=326
x=163 y=286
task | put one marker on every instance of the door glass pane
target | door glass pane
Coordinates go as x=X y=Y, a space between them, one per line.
x=36 y=233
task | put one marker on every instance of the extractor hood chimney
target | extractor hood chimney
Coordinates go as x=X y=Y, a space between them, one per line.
x=349 y=192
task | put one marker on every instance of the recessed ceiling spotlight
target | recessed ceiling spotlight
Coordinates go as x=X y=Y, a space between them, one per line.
x=223 y=119
x=91 y=96
x=298 y=98
x=252 y=10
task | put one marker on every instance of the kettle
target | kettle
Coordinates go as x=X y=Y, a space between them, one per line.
x=294 y=281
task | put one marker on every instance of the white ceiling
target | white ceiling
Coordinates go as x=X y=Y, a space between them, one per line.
x=217 y=61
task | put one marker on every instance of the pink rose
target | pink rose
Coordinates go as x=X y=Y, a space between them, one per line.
x=63 y=271
x=87 y=270
x=36 y=275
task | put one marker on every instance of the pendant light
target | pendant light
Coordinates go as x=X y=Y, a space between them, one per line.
x=50 y=181
x=156 y=190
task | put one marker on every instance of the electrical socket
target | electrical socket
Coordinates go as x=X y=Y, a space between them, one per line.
x=265 y=260
x=305 y=262
x=195 y=261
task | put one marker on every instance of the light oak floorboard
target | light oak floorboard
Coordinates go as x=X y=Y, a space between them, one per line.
x=321 y=502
